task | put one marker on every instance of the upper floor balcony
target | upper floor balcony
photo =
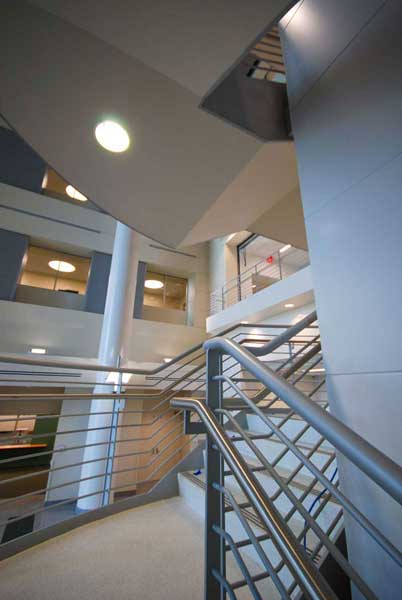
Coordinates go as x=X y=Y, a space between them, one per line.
x=264 y=273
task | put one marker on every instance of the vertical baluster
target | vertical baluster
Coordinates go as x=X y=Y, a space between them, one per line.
x=280 y=265
x=118 y=404
x=214 y=501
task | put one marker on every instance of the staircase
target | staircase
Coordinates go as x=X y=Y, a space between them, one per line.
x=265 y=486
x=276 y=468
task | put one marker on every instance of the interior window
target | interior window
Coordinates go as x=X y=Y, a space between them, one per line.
x=56 y=186
x=54 y=270
x=165 y=291
x=18 y=425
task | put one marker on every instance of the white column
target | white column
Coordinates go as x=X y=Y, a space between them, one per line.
x=116 y=331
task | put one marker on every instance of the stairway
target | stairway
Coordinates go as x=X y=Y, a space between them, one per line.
x=265 y=491
x=315 y=498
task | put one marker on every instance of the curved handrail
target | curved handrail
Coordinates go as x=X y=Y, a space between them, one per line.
x=282 y=338
x=63 y=364
x=379 y=467
x=309 y=578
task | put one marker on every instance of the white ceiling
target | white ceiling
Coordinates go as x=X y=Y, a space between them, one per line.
x=262 y=247
x=146 y=64
x=268 y=177
x=191 y=41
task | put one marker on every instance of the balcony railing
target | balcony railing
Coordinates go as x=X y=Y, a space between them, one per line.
x=263 y=274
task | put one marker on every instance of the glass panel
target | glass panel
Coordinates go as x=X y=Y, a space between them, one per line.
x=165 y=291
x=70 y=274
x=154 y=289
x=176 y=292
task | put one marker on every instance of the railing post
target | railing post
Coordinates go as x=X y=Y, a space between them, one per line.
x=214 y=501
x=118 y=404
x=280 y=265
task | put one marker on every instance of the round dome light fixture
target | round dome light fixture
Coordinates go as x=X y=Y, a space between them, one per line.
x=153 y=284
x=62 y=266
x=112 y=136
x=75 y=194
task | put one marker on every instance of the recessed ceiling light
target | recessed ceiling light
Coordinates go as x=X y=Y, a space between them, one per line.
x=244 y=322
x=62 y=266
x=317 y=371
x=75 y=194
x=285 y=248
x=167 y=360
x=112 y=136
x=37 y=350
x=153 y=284
x=289 y=305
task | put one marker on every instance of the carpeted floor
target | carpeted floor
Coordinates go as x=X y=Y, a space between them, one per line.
x=152 y=552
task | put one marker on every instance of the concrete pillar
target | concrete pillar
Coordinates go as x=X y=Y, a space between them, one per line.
x=116 y=331
x=342 y=60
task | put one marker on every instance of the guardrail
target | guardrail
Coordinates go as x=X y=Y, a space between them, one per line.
x=290 y=555
x=88 y=450
x=263 y=274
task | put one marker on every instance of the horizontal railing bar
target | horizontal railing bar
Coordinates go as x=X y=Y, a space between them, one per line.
x=391 y=550
x=239 y=559
x=27 y=456
x=253 y=538
x=379 y=467
x=301 y=566
x=72 y=500
x=260 y=538
x=74 y=431
x=313 y=525
x=82 y=479
x=17 y=359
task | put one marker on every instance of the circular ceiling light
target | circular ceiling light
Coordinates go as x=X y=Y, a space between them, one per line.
x=62 y=266
x=153 y=284
x=112 y=136
x=75 y=194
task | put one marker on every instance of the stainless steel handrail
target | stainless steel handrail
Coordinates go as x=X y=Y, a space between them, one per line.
x=302 y=567
x=379 y=467
x=242 y=285
x=84 y=366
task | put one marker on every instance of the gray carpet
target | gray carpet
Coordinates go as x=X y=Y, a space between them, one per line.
x=152 y=552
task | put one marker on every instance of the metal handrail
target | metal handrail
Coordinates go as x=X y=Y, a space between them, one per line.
x=311 y=581
x=84 y=366
x=379 y=467
x=239 y=285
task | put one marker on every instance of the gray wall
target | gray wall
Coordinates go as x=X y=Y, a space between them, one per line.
x=19 y=164
x=97 y=282
x=344 y=61
x=13 y=247
x=259 y=107
x=139 y=289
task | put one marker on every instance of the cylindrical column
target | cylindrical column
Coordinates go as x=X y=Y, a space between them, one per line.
x=115 y=335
